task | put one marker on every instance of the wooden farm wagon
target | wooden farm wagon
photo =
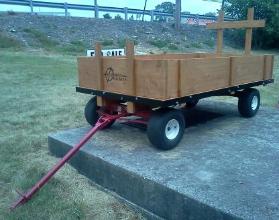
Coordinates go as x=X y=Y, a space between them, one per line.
x=158 y=84
x=148 y=89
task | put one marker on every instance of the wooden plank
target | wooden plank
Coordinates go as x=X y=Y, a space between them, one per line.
x=150 y=82
x=165 y=75
x=178 y=75
x=86 y=72
x=151 y=78
x=220 y=34
x=247 y=69
x=236 y=24
x=172 y=84
x=231 y=76
x=100 y=101
x=168 y=56
x=99 y=64
x=249 y=31
x=131 y=107
x=268 y=67
x=201 y=75
x=115 y=73
x=130 y=68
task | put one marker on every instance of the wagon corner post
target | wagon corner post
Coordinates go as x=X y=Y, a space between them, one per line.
x=130 y=54
x=99 y=69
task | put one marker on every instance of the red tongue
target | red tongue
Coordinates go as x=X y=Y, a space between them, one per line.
x=101 y=123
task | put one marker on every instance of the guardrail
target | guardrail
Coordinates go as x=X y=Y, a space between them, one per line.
x=66 y=6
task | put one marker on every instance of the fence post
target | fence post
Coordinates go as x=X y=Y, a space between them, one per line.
x=66 y=9
x=152 y=15
x=31 y=6
x=96 y=9
x=126 y=13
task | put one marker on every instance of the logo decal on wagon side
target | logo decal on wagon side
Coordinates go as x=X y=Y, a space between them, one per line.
x=111 y=75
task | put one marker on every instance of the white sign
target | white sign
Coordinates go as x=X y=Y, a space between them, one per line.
x=107 y=53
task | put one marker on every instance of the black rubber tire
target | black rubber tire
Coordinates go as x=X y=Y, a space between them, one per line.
x=91 y=114
x=156 y=128
x=191 y=103
x=90 y=111
x=245 y=103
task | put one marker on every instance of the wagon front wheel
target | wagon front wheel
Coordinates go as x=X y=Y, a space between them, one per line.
x=91 y=114
x=249 y=102
x=90 y=111
x=165 y=128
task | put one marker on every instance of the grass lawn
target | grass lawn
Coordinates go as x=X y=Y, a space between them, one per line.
x=38 y=97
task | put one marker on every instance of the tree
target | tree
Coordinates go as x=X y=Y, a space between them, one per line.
x=167 y=7
x=210 y=14
x=267 y=37
x=107 y=16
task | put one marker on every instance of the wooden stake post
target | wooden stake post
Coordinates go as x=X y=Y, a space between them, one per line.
x=248 y=24
x=130 y=53
x=99 y=70
x=220 y=34
x=248 y=34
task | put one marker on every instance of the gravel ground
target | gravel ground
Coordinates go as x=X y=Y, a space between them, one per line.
x=89 y=30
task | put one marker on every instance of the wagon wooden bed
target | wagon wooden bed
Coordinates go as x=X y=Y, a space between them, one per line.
x=148 y=82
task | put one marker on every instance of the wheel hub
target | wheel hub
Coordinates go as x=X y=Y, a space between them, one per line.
x=172 y=129
x=254 y=103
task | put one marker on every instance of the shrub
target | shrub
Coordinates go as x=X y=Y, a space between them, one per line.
x=122 y=42
x=108 y=42
x=75 y=47
x=210 y=42
x=118 y=17
x=159 y=43
x=8 y=42
x=41 y=38
x=196 y=45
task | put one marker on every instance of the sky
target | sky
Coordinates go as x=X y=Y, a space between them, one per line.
x=193 y=6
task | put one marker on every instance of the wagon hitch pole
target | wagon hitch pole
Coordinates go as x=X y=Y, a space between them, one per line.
x=104 y=120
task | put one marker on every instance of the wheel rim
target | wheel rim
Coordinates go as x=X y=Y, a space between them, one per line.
x=255 y=102
x=172 y=129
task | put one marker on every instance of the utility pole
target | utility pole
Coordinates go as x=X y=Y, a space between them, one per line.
x=144 y=10
x=177 y=14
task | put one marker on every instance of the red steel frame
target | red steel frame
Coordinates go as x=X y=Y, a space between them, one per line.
x=104 y=120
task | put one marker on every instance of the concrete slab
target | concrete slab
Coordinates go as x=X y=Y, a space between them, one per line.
x=226 y=167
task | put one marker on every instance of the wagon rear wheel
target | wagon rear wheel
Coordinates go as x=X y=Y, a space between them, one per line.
x=165 y=128
x=249 y=102
x=91 y=114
